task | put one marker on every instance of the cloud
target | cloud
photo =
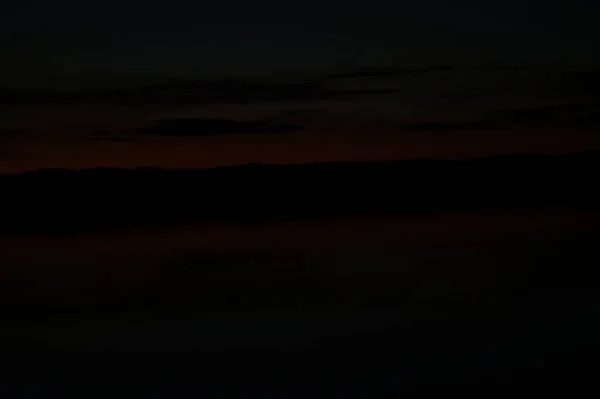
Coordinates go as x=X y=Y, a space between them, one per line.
x=115 y=139
x=568 y=115
x=6 y=95
x=576 y=116
x=240 y=91
x=175 y=92
x=229 y=90
x=12 y=133
x=112 y=136
x=579 y=83
x=11 y=137
x=388 y=71
x=178 y=92
x=430 y=81
x=447 y=126
x=202 y=127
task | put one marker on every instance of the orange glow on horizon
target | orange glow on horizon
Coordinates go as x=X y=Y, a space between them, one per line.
x=291 y=148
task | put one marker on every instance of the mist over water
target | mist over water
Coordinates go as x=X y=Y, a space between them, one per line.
x=405 y=284
x=456 y=246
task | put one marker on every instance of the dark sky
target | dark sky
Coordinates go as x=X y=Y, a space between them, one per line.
x=312 y=81
x=118 y=38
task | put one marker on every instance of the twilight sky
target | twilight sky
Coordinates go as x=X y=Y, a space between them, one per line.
x=270 y=81
x=42 y=39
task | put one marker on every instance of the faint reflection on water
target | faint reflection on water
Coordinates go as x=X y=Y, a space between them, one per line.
x=420 y=254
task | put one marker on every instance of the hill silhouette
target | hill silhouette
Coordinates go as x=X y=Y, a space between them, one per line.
x=52 y=200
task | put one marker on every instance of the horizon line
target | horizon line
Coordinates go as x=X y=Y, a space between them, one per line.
x=311 y=163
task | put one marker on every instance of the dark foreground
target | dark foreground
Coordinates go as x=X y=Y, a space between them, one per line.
x=494 y=303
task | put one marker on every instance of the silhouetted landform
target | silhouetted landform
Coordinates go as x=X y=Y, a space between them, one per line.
x=56 y=199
